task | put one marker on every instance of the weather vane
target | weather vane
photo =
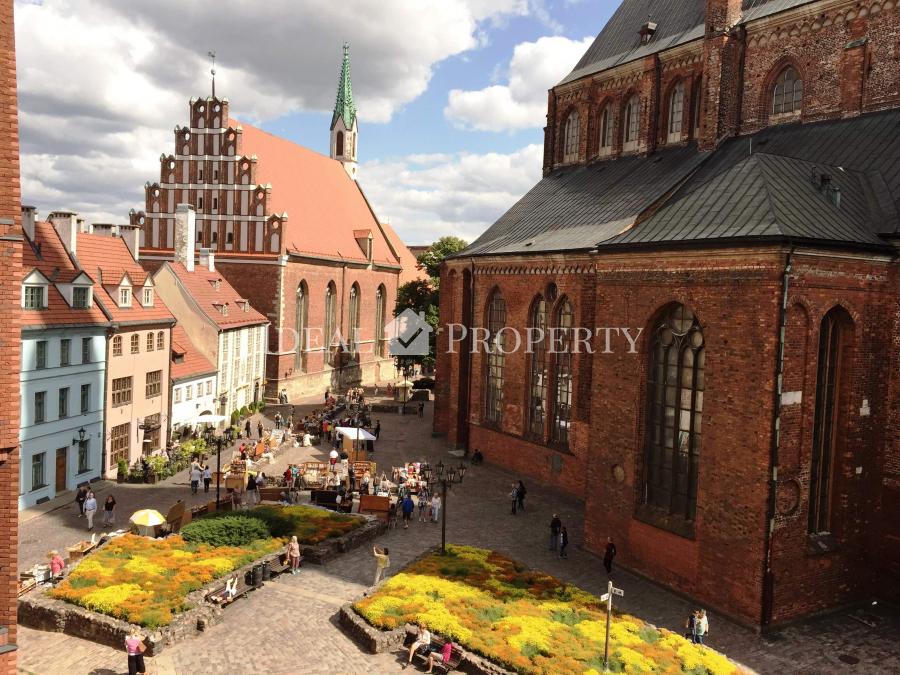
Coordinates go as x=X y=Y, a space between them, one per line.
x=212 y=70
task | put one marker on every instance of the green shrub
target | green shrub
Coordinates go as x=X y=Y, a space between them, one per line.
x=122 y=467
x=226 y=530
x=235 y=418
x=245 y=411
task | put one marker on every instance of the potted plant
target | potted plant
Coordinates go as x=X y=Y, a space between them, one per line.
x=121 y=471
x=157 y=466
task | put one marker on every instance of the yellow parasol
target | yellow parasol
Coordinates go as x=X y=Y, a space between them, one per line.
x=147 y=518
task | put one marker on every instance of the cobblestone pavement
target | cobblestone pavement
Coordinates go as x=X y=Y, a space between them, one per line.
x=289 y=626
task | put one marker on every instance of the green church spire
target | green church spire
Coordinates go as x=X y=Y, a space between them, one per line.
x=343 y=106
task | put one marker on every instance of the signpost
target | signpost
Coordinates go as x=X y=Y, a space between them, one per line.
x=607 y=598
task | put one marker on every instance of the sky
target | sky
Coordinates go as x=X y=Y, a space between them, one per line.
x=451 y=94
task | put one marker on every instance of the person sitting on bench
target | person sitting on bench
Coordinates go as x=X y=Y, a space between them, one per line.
x=229 y=594
x=446 y=651
x=422 y=643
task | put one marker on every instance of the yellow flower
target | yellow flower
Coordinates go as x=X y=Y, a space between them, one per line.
x=220 y=566
x=534 y=630
x=91 y=566
x=141 y=565
x=635 y=661
x=109 y=598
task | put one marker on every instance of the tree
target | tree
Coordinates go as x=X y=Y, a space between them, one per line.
x=431 y=260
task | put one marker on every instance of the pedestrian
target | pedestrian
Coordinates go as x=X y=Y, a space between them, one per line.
x=247 y=428
x=702 y=624
x=520 y=496
x=259 y=428
x=555 y=527
x=277 y=420
x=408 y=507
x=609 y=554
x=690 y=627
x=422 y=498
x=207 y=477
x=251 y=488
x=109 y=506
x=421 y=409
x=435 y=507
x=80 y=496
x=377 y=431
x=333 y=457
x=421 y=644
x=563 y=542
x=90 y=509
x=135 y=647
x=196 y=475
x=382 y=562
x=326 y=397
x=57 y=564
x=293 y=552
x=514 y=497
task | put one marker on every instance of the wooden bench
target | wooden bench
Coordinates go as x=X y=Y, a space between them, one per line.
x=216 y=595
x=271 y=494
x=376 y=506
x=328 y=500
x=438 y=643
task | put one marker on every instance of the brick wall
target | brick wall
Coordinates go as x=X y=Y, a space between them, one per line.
x=10 y=283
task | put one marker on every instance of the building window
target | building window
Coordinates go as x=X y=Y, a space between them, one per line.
x=606 y=129
x=37 y=471
x=84 y=454
x=63 y=402
x=564 y=373
x=160 y=340
x=496 y=359
x=695 y=111
x=354 y=320
x=537 y=387
x=339 y=144
x=40 y=354
x=302 y=314
x=330 y=294
x=380 y=311
x=150 y=341
x=674 y=413
x=154 y=384
x=86 y=350
x=40 y=404
x=119 y=443
x=135 y=343
x=188 y=392
x=199 y=174
x=571 y=138
x=85 y=399
x=80 y=297
x=121 y=391
x=787 y=97
x=177 y=394
x=151 y=433
x=148 y=297
x=208 y=387
x=632 y=122
x=216 y=175
x=34 y=297
x=215 y=203
x=676 y=112
x=117 y=345
x=124 y=297
x=833 y=338
x=200 y=203
x=65 y=347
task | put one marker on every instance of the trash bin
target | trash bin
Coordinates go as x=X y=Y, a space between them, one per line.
x=257 y=576
x=266 y=571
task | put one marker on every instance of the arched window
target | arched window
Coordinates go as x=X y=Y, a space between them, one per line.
x=632 y=122
x=339 y=144
x=570 y=146
x=695 y=109
x=135 y=344
x=563 y=372
x=674 y=413
x=834 y=336
x=329 y=338
x=495 y=358
x=353 y=338
x=606 y=129
x=150 y=341
x=676 y=112
x=160 y=340
x=787 y=97
x=537 y=387
x=302 y=314
x=117 y=345
x=380 y=311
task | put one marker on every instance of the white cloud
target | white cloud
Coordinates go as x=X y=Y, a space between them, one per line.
x=521 y=103
x=427 y=197
x=103 y=82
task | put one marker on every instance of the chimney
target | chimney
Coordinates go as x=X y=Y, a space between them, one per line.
x=66 y=225
x=103 y=229
x=648 y=30
x=29 y=215
x=131 y=235
x=185 y=235
x=207 y=260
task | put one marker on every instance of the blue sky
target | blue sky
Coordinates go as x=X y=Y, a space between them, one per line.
x=451 y=94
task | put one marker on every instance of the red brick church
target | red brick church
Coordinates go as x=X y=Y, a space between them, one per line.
x=293 y=232
x=719 y=209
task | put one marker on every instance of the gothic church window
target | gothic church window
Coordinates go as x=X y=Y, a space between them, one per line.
x=631 y=122
x=495 y=358
x=676 y=112
x=606 y=129
x=563 y=374
x=302 y=313
x=571 y=138
x=339 y=144
x=787 y=97
x=537 y=387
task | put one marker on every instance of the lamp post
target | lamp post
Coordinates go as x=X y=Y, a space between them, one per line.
x=440 y=470
x=218 y=468
x=80 y=441
x=443 y=516
x=461 y=471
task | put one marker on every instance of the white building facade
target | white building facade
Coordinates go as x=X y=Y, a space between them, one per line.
x=192 y=396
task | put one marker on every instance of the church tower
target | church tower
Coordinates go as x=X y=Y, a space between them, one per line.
x=343 y=123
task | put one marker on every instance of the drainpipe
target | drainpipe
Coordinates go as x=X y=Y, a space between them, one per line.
x=768 y=588
x=110 y=332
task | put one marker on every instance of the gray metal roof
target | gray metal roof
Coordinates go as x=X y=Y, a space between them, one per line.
x=731 y=193
x=678 y=22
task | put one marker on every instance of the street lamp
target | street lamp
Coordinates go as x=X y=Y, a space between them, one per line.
x=461 y=471
x=218 y=467
x=451 y=473
x=440 y=470
x=444 y=485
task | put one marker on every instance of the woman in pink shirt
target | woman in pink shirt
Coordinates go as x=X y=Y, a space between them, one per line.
x=57 y=564
x=134 y=645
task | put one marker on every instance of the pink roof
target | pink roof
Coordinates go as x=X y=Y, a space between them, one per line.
x=210 y=290
x=55 y=264
x=191 y=362
x=107 y=260
x=409 y=265
x=324 y=205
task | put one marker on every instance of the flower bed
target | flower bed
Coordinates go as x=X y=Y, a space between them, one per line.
x=145 y=581
x=526 y=620
x=309 y=524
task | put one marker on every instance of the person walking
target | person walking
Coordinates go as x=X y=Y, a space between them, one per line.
x=90 y=509
x=207 y=477
x=563 y=542
x=514 y=497
x=555 y=527
x=259 y=428
x=702 y=627
x=520 y=496
x=382 y=562
x=421 y=409
x=609 y=554
x=422 y=499
x=435 y=507
x=109 y=506
x=377 y=431
x=690 y=627
x=196 y=475
x=247 y=428
x=135 y=648
x=408 y=507
x=293 y=553
x=277 y=420
x=80 y=497
x=251 y=488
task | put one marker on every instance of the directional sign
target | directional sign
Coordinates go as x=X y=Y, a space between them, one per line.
x=617 y=591
x=604 y=597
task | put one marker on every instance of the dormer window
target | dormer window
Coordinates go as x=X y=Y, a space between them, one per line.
x=35 y=297
x=81 y=297
x=124 y=297
x=222 y=307
x=148 y=297
x=215 y=283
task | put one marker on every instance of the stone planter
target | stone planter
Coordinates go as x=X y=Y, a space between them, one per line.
x=332 y=548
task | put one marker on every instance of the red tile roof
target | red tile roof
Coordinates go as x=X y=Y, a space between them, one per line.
x=107 y=260
x=55 y=264
x=409 y=265
x=200 y=285
x=191 y=363
x=324 y=205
